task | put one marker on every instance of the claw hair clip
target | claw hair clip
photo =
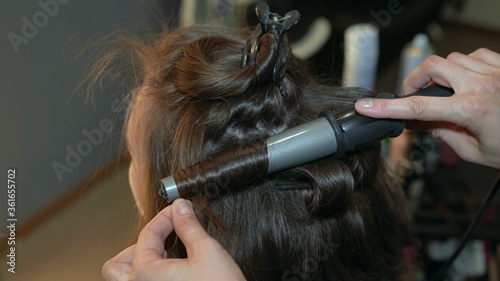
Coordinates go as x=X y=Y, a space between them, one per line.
x=267 y=22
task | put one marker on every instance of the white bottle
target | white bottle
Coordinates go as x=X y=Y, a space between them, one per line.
x=361 y=52
x=412 y=55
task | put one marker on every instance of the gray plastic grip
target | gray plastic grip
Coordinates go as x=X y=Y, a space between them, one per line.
x=301 y=144
x=169 y=189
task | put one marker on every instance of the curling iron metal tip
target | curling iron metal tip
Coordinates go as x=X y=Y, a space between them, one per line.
x=169 y=189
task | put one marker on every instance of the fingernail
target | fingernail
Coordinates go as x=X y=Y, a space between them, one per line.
x=184 y=208
x=366 y=103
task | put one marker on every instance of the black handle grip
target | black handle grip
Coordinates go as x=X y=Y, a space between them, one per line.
x=433 y=91
x=354 y=130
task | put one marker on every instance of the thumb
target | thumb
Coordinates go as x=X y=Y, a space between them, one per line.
x=187 y=226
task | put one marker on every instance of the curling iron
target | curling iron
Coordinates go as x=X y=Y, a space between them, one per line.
x=333 y=133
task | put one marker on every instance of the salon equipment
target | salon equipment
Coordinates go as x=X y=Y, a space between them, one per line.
x=440 y=274
x=361 y=54
x=333 y=133
x=412 y=55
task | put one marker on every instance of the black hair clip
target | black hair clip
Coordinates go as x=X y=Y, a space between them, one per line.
x=267 y=22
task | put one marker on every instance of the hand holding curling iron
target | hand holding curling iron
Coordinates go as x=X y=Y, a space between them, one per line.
x=471 y=115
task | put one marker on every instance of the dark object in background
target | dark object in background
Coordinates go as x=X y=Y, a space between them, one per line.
x=398 y=22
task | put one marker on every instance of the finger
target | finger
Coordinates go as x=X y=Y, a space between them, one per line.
x=472 y=63
x=486 y=56
x=410 y=108
x=187 y=226
x=151 y=242
x=116 y=271
x=125 y=256
x=421 y=75
x=119 y=267
x=439 y=70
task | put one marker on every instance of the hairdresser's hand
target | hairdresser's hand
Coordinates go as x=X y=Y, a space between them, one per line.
x=147 y=259
x=472 y=114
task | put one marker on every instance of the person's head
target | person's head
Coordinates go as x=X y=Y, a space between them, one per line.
x=342 y=219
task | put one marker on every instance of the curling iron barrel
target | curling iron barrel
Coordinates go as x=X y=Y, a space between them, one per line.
x=333 y=133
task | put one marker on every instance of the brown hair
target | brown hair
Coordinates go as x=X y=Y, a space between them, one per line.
x=349 y=223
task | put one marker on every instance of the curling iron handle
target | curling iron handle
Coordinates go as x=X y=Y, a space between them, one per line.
x=433 y=91
x=353 y=130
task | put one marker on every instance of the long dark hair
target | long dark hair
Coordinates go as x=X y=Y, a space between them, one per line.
x=332 y=219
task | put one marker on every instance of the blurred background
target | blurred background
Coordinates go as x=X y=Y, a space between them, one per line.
x=73 y=206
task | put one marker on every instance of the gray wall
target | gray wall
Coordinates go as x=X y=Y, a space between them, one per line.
x=49 y=134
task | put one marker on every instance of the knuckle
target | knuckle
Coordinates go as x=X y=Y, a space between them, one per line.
x=481 y=52
x=187 y=223
x=142 y=271
x=106 y=268
x=488 y=85
x=431 y=61
x=469 y=154
x=187 y=220
x=114 y=271
x=417 y=106
x=381 y=104
x=453 y=56
x=492 y=82
x=144 y=231
x=471 y=104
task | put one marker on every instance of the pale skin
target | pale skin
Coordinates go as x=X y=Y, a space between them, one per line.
x=472 y=113
x=472 y=129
